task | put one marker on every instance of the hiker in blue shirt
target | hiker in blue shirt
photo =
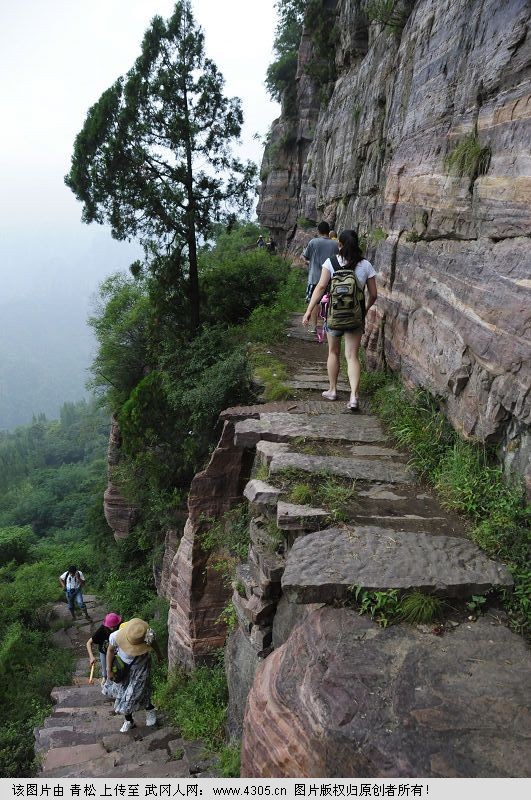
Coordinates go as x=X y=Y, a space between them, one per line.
x=315 y=253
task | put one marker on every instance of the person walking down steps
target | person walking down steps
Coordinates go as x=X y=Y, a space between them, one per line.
x=131 y=690
x=101 y=638
x=72 y=582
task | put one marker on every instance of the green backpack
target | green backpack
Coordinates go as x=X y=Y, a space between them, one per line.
x=347 y=299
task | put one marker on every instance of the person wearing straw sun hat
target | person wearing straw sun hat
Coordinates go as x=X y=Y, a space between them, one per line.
x=133 y=644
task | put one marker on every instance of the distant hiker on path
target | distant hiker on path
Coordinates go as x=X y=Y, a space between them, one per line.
x=101 y=638
x=271 y=245
x=315 y=253
x=132 y=644
x=72 y=582
x=260 y=243
x=346 y=311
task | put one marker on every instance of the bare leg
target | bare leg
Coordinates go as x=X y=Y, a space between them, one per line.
x=352 y=347
x=332 y=365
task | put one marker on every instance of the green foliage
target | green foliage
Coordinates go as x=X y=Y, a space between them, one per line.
x=418 y=608
x=121 y=327
x=196 y=703
x=469 y=481
x=469 y=158
x=227 y=539
x=319 y=20
x=271 y=374
x=383 y=606
x=15 y=544
x=262 y=473
x=229 y=760
x=153 y=159
x=234 y=286
x=280 y=76
x=476 y=603
x=387 y=13
x=336 y=496
x=305 y=223
x=266 y=323
x=302 y=494
x=228 y=617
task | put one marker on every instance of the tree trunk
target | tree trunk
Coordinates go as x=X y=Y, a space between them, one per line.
x=193 y=278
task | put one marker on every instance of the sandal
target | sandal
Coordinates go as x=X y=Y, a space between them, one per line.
x=352 y=405
x=330 y=395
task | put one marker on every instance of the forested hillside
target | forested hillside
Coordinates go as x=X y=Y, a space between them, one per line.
x=51 y=477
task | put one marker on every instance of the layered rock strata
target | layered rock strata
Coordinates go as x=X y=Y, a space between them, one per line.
x=121 y=516
x=346 y=697
x=196 y=590
x=424 y=148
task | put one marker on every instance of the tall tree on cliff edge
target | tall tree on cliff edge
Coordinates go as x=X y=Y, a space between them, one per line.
x=154 y=157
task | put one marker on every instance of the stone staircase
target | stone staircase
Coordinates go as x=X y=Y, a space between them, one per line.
x=339 y=694
x=395 y=535
x=81 y=738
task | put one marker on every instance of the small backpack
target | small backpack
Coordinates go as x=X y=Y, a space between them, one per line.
x=347 y=299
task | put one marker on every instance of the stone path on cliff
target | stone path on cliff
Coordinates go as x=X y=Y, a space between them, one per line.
x=81 y=738
x=339 y=694
x=393 y=535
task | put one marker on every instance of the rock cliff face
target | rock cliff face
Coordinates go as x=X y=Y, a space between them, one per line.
x=424 y=147
x=346 y=697
x=120 y=516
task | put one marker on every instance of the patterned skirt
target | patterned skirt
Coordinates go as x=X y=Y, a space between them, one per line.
x=134 y=693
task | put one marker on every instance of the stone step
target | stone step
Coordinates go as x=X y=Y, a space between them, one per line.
x=392 y=505
x=80 y=715
x=261 y=494
x=301 y=383
x=77 y=696
x=102 y=767
x=67 y=736
x=171 y=769
x=370 y=469
x=266 y=451
x=324 y=566
x=71 y=755
x=145 y=742
x=278 y=427
x=298 y=519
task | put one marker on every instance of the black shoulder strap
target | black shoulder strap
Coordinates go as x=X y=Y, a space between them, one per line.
x=335 y=263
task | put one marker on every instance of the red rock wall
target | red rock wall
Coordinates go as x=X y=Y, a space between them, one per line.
x=453 y=253
x=120 y=515
x=196 y=590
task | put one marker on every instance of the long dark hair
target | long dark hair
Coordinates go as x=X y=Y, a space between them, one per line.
x=350 y=248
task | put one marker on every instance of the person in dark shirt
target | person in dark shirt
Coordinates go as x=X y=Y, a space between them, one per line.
x=101 y=638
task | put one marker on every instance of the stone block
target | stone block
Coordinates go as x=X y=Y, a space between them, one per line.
x=293 y=517
x=322 y=567
x=261 y=637
x=259 y=493
x=244 y=577
x=369 y=469
x=277 y=427
x=346 y=697
x=265 y=451
x=270 y=565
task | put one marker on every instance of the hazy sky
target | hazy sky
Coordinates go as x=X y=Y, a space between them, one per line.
x=56 y=58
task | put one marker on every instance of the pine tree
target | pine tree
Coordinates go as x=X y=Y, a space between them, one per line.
x=154 y=158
